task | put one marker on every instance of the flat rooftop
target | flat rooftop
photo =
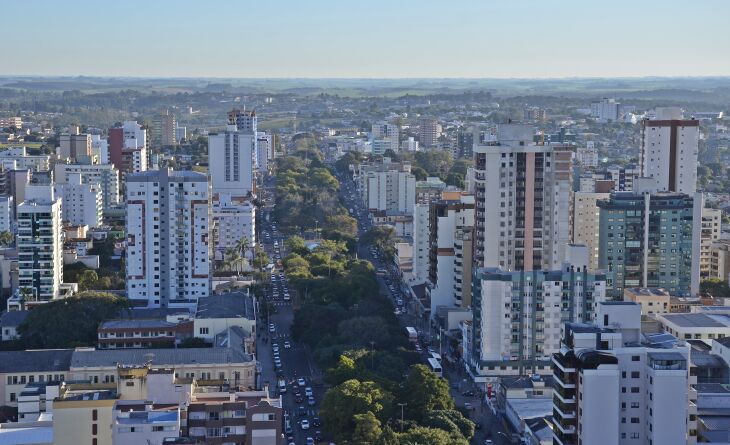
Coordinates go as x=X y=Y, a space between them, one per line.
x=698 y=320
x=229 y=305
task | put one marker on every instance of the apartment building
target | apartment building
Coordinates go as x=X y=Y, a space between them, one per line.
x=669 y=150
x=82 y=203
x=165 y=129
x=613 y=387
x=605 y=110
x=232 y=221
x=7 y=214
x=40 y=250
x=421 y=240
x=710 y=233
x=20 y=368
x=524 y=201
x=232 y=158
x=623 y=177
x=587 y=156
x=720 y=259
x=518 y=316
x=429 y=131
x=168 y=252
x=74 y=146
x=106 y=175
x=389 y=188
x=24 y=161
x=586 y=223
x=651 y=240
x=454 y=211
x=128 y=148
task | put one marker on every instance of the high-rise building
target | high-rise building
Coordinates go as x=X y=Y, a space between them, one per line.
x=710 y=232
x=106 y=175
x=385 y=136
x=586 y=223
x=165 y=126
x=391 y=190
x=465 y=139
x=128 y=148
x=615 y=387
x=533 y=113
x=232 y=159
x=606 y=110
x=651 y=240
x=7 y=212
x=623 y=177
x=264 y=150
x=245 y=121
x=40 y=254
x=524 y=201
x=587 y=156
x=409 y=144
x=232 y=221
x=720 y=259
x=168 y=252
x=421 y=239
x=82 y=203
x=453 y=212
x=518 y=315
x=100 y=149
x=429 y=131
x=669 y=150
x=74 y=145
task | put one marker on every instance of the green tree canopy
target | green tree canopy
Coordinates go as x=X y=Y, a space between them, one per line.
x=352 y=397
x=367 y=428
x=425 y=391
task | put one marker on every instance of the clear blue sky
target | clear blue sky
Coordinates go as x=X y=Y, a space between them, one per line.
x=367 y=38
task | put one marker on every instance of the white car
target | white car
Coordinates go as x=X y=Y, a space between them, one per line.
x=308 y=391
x=272 y=327
x=301 y=382
x=287 y=345
x=304 y=424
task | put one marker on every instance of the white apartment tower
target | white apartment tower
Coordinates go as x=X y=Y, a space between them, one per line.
x=233 y=220
x=669 y=150
x=391 y=190
x=232 y=158
x=524 y=201
x=82 y=203
x=40 y=248
x=168 y=252
x=613 y=387
x=106 y=175
x=421 y=236
x=710 y=232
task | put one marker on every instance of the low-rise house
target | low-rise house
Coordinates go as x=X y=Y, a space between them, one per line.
x=9 y=322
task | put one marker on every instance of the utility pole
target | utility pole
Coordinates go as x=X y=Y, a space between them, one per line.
x=402 y=405
x=372 y=355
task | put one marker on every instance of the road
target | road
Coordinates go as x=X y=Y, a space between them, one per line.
x=296 y=361
x=490 y=426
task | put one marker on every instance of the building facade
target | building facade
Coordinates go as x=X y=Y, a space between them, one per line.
x=586 y=223
x=232 y=156
x=82 y=203
x=106 y=175
x=168 y=252
x=40 y=249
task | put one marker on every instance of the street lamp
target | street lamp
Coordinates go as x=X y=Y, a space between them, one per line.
x=402 y=405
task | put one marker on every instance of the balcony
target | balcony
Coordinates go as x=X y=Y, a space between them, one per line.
x=563 y=363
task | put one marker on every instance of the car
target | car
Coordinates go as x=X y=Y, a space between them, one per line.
x=272 y=327
x=304 y=424
x=316 y=421
x=298 y=398
x=308 y=391
x=488 y=442
x=418 y=348
x=301 y=381
x=318 y=435
x=302 y=411
x=287 y=345
x=310 y=441
x=288 y=429
x=469 y=393
x=311 y=401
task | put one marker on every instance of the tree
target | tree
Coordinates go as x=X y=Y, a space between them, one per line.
x=424 y=391
x=419 y=173
x=451 y=421
x=715 y=287
x=382 y=238
x=6 y=238
x=342 y=402
x=87 y=279
x=70 y=322
x=367 y=428
x=260 y=259
x=429 y=436
x=296 y=244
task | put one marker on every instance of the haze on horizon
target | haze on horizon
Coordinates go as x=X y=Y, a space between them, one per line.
x=374 y=39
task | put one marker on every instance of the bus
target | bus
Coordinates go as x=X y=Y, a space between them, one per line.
x=435 y=355
x=435 y=367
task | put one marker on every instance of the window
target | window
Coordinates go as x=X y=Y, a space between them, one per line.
x=634 y=420
x=203 y=331
x=95 y=414
x=635 y=389
x=635 y=374
x=93 y=429
x=635 y=358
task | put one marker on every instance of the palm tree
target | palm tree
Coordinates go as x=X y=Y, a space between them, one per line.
x=243 y=245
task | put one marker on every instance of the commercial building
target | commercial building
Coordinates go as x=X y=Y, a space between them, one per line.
x=524 y=201
x=518 y=316
x=82 y=203
x=20 y=368
x=710 y=233
x=385 y=136
x=165 y=129
x=669 y=150
x=705 y=326
x=612 y=387
x=651 y=240
x=155 y=333
x=74 y=146
x=168 y=234
x=24 y=161
x=106 y=175
x=40 y=250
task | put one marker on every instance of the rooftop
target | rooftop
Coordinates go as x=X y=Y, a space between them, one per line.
x=136 y=324
x=91 y=358
x=229 y=305
x=13 y=318
x=647 y=291
x=35 y=360
x=698 y=320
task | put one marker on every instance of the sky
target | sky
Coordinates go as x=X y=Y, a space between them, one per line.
x=366 y=38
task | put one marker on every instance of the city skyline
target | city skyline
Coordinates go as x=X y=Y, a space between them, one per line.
x=377 y=40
